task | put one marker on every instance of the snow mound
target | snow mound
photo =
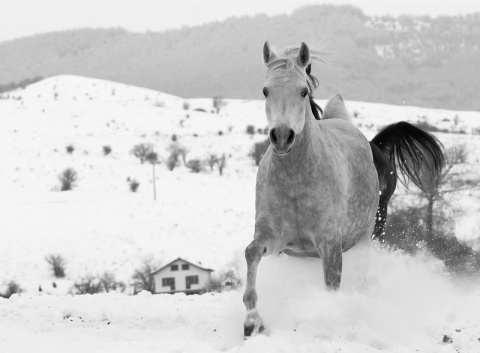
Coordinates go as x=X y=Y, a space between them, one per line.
x=71 y=88
x=388 y=302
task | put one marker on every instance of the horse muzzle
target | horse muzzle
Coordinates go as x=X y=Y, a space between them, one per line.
x=282 y=139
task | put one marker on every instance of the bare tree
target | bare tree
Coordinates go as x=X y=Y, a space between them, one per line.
x=218 y=103
x=68 y=179
x=58 y=265
x=141 y=151
x=143 y=278
x=448 y=181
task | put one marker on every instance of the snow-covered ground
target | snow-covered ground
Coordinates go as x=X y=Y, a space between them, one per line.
x=388 y=301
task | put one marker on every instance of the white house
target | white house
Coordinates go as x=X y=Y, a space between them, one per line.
x=182 y=276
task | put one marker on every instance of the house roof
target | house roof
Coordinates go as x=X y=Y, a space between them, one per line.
x=179 y=258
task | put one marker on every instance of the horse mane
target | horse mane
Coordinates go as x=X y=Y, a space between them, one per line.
x=285 y=64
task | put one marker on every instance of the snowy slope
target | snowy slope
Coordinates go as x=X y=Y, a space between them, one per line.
x=395 y=303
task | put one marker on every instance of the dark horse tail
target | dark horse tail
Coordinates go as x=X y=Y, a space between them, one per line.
x=404 y=152
x=411 y=152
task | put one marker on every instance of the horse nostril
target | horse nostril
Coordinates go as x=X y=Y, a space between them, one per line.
x=291 y=137
x=273 y=137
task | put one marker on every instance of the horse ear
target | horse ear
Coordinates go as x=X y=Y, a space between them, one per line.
x=303 y=56
x=268 y=54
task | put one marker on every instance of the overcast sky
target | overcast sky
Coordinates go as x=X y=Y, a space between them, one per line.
x=20 y=18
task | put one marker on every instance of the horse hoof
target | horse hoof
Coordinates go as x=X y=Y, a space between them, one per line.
x=250 y=329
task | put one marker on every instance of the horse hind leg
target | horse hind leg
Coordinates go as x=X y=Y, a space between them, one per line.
x=386 y=193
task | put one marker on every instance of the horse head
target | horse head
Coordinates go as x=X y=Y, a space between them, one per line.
x=288 y=93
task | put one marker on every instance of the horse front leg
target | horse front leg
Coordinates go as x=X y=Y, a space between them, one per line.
x=331 y=254
x=253 y=254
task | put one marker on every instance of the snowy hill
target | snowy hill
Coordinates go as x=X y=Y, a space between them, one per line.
x=388 y=301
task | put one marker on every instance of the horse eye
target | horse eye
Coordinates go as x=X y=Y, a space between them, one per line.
x=265 y=92
x=304 y=93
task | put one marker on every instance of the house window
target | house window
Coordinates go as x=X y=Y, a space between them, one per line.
x=191 y=280
x=169 y=282
x=185 y=267
x=174 y=268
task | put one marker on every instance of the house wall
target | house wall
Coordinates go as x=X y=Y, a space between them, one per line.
x=180 y=278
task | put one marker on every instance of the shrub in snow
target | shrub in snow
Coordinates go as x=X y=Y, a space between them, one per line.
x=195 y=165
x=186 y=105
x=141 y=151
x=58 y=265
x=258 y=150
x=133 y=184
x=176 y=151
x=225 y=281
x=152 y=157
x=70 y=149
x=406 y=229
x=107 y=150
x=12 y=288
x=68 y=179
x=250 y=129
x=87 y=285
x=172 y=162
x=109 y=283
x=212 y=159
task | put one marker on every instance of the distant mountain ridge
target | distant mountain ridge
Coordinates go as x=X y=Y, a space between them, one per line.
x=412 y=60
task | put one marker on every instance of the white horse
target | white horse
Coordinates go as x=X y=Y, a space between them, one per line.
x=317 y=186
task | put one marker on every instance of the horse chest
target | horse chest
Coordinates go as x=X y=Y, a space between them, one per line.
x=293 y=210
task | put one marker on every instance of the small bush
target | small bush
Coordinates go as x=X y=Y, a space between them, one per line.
x=212 y=160
x=226 y=281
x=195 y=165
x=174 y=138
x=133 y=184
x=12 y=288
x=87 y=285
x=172 y=162
x=58 y=265
x=109 y=283
x=68 y=179
x=107 y=150
x=186 y=105
x=251 y=130
x=258 y=150
x=70 y=149
x=141 y=151
x=176 y=151
x=152 y=157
